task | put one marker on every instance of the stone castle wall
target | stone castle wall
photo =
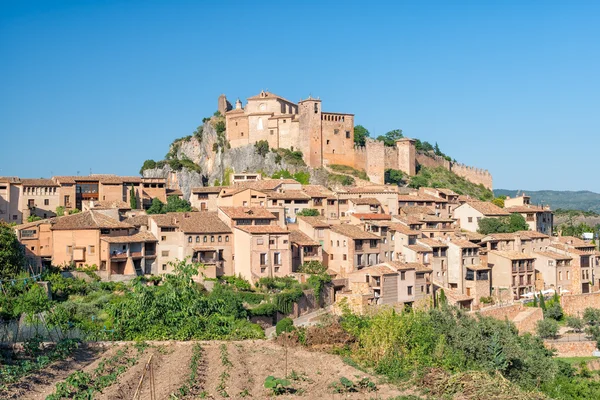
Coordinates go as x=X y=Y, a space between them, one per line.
x=575 y=304
x=390 y=157
x=432 y=161
x=472 y=174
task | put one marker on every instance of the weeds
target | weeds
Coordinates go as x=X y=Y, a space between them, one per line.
x=278 y=386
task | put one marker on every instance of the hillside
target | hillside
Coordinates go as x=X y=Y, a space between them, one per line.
x=570 y=200
x=440 y=177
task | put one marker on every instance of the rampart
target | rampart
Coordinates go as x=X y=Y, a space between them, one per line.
x=575 y=304
x=472 y=174
x=432 y=161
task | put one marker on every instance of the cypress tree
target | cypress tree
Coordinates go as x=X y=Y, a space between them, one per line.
x=542 y=302
x=132 y=199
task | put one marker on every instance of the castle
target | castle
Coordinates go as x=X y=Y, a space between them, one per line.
x=326 y=138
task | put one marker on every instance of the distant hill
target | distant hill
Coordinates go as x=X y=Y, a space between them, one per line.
x=580 y=200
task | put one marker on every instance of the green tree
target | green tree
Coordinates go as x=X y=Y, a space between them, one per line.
x=418 y=181
x=60 y=211
x=148 y=164
x=511 y=224
x=12 y=254
x=132 y=198
x=156 y=207
x=575 y=323
x=33 y=218
x=542 y=302
x=389 y=139
x=220 y=127
x=308 y=212
x=517 y=223
x=262 y=147
x=175 y=204
x=499 y=201
x=393 y=176
x=547 y=328
x=436 y=150
x=313 y=267
x=360 y=135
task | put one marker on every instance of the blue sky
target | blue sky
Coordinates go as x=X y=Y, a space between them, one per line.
x=511 y=86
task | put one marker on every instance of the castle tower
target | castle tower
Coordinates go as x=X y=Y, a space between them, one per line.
x=407 y=156
x=311 y=136
x=223 y=105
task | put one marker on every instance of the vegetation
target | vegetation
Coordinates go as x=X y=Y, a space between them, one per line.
x=285 y=325
x=60 y=211
x=360 y=135
x=499 y=201
x=295 y=158
x=174 y=204
x=344 y=180
x=440 y=177
x=278 y=386
x=198 y=133
x=513 y=223
x=33 y=218
x=389 y=139
x=394 y=177
x=132 y=198
x=12 y=255
x=262 y=147
x=568 y=201
x=301 y=176
x=148 y=164
x=345 y=169
x=547 y=328
x=308 y=212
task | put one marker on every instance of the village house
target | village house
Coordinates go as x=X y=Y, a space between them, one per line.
x=36 y=238
x=350 y=247
x=554 y=271
x=206 y=198
x=469 y=213
x=538 y=218
x=446 y=209
x=40 y=197
x=466 y=272
x=513 y=273
x=11 y=191
x=585 y=267
x=304 y=249
x=386 y=195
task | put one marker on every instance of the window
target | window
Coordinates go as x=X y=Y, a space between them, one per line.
x=263 y=258
x=226 y=238
x=331 y=256
x=46 y=202
x=260 y=241
x=104 y=231
x=338 y=243
x=189 y=239
x=163 y=238
x=212 y=239
x=205 y=239
x=69 y=249
x=470 y=219
x=409 y=290
x=220 y=238
x=347 y=134
x=567 y=275
x=165 y=253
x=277 y=258
x=92 y=249
x=345 y=257
x=197 y=239
x=402 y=275
x=164 y=267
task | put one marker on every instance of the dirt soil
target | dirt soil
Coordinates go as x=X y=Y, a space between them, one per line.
x=311 y=373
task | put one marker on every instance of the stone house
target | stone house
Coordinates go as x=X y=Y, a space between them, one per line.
x=512 y=271
x=11 y=191
x=304 y=249
x=350 y=247
x=469 y=213
x=206 y=198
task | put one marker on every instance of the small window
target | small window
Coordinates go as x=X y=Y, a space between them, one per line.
x=345 y=257
x=189 y=239
x=212 y=239
x=220 y=239
x=347 y=134
x=260 y=241
x=470 y=219
x=271 y=131
x=226 y=238
x=163 y=238
x=92 y=249
x=205 y=239
x=164 y=267
x=165 y=253
x=197 y=239
x=46 y=202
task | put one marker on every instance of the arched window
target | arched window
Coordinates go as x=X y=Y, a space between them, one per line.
x=189 y=239
x=197 y=239
x=260 y=125
x=316 y=108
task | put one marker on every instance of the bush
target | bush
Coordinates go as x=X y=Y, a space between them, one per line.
x=262 y=147
x=340 y=180
x=394 y=176
x=285 y=325
x=575 y=323
x=591 y=316
x=554 y=311
x=547 y=328
x=148 y=164
x=349 y=170
x=308 y=212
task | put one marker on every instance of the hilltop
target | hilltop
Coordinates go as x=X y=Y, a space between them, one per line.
x=570 y=200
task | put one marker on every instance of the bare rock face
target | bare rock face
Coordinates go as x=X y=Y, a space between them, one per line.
x=215 y=164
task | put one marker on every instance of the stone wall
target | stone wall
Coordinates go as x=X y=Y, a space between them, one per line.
x=526 y=321
x=575 y=304
x=571 y=349
x=432 y=161
x=390 y=157
x=501 y=312
x=524 y=318
x=375 y=167
x=475 y=175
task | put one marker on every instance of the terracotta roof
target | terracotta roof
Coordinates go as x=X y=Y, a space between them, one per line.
x=553 y=255
x=418 y=267
x=289 y=195
x=268 y=95
x=447 y=192
x=574 y=241
x=532 y=234
x=247 y=213
x=435 y=218
x=173 y=192
x=454 y=296
x=316 y=191
x=111 y=204
x=138 y=220
x=374 y=216
x=500 y=236
x=478 y=267
x=163 y=220
x=404 y=229
x=261 y=229
x=38 y=182
x=567 y=249
x=315 y=222
x=302 y=239
x=419 y=248
x=376 y=270
x=464 y=244
x=473 y=235
x=421 y=198
x=267 y=184
x=200 y=222
x=353 y=232
x=513 y=255
x=373 y=189
x=35 y=223
x=486 y=208
x=10 y=179
x=65 y=179
x=208 y=189
x=114 y=179
x=417 y=210
x=138 y=237
x=432 y=242
x=88 y=220
x=365 y=201
x=526 y=209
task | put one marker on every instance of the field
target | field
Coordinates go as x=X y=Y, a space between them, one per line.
x=223 y=370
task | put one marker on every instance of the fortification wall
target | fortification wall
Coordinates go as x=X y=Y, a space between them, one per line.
x=475 y=175
x=390 y=157
x=375 y=158
x=432 y=161
x=360 y=157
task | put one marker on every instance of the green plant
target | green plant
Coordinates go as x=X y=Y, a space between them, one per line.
x=547 y=328
x=486 y=299
x=262 y=147
x=308 y=212
x=349 y=170
x=148 y=164
x=284 y=325
x=278 y=386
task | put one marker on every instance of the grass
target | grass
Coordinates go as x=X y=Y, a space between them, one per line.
x=345 y=169
x=575 y=361
x=440 y=177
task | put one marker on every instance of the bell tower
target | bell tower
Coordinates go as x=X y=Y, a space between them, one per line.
x=311 y=133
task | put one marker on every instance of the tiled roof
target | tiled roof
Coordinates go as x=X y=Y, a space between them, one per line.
x=498 y=236
x=419 y=248
x=173 y=192
x=487 y=208
x=261 y=229
x=200 y=222
x=574 y=241
x=418 y=267
x=268 y=95
x=513 y=255
x=111 y=204
x=525 y=209
x=164 y=220
x=10 y=179
x=376 y=270
x=569 y=250
x=267 y=184
x=435 y=218
x=532 y=234
x=465 y=244
x=432 y=242
x=384 y=217
x=315 y=222
x=247 y=213
x=138 y=237
x=289 y=195
x=66 y=179
x=473 y=235
x=373 y=189
x=353 y=232
x=369 y=201
x=477 y=267
x=137 y=221
x=421 y=198
x=208 y=189
x=447 y=192
x=35 y=223
x=302 y=239
x=404 y=229
x=88 y=220
x=38 y=182
x=316 y=191
x=553 y=255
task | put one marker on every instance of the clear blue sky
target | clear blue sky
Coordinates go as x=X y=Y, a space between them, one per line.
x=509 y=86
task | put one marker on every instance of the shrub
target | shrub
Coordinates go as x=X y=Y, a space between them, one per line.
x=393 y=176
x=220 y=127
x=547 y=328
x=278 y=386
x=591 y=316
x=285 y=325
x=341 y=180
x=148 y=164
x=262 y=147
x=554 y=311
x=349 y=170
x=308 y=212
x=575 y=323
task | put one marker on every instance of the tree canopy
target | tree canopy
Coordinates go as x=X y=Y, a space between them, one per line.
x=360 y=135
x=308 y=212
x=393 y=176
x=12 y=255
x=389 y=139
x=511 y=224
x=174 y=204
